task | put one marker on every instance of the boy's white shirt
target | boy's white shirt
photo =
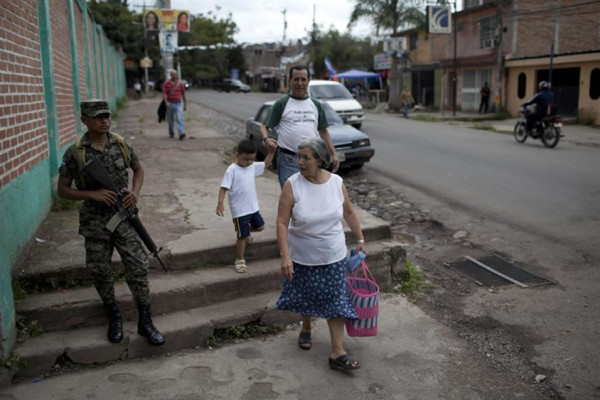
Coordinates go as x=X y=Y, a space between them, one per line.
x=241 y=188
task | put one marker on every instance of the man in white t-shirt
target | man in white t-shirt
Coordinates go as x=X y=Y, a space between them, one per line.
x=240 y=186
x=297 y=117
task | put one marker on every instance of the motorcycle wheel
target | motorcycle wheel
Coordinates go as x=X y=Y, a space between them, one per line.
x=520 y=132
x=550 y=137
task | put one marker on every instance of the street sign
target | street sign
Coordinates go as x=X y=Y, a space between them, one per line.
x=439 y=19
x=146 y=62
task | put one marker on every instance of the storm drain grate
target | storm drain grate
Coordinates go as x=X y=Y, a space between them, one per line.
x=495 y=271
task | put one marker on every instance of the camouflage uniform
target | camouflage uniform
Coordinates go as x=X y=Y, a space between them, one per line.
x=93 y=216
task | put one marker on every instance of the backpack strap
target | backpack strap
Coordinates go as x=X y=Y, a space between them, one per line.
x=78 y=152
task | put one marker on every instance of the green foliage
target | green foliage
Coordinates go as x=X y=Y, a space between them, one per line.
x=14 y=363
x=410 y=279
x=344 y=50
x=29 y=328
x=247 y=331
x=389 y=16
x=121 y=25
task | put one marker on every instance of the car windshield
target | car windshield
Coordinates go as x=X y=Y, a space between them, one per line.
x=332 y=117
x=329 y=92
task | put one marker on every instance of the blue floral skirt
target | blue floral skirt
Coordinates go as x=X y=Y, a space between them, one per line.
x=318 y=291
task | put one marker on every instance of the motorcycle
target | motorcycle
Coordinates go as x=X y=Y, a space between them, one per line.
x=549 y=129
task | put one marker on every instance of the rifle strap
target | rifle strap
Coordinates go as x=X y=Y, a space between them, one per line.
x=79 y=154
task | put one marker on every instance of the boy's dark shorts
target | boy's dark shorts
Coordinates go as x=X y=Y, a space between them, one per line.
x=242 y=224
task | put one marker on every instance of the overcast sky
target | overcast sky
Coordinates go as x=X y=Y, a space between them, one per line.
x=262 y=20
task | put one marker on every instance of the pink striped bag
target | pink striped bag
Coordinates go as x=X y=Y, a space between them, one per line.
x=364 y=295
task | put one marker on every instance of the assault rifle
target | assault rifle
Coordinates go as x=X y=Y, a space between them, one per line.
x=96 y=170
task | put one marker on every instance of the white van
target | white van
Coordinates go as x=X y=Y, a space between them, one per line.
x=339 y=98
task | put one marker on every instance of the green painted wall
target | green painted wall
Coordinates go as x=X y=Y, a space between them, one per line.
x=26 y=201
x=23 y=205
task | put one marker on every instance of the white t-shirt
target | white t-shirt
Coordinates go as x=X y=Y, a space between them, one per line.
x=241 y=188
x=296 y=120
x=315 y=233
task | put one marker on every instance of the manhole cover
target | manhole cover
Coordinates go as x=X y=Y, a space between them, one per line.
x=493 y=271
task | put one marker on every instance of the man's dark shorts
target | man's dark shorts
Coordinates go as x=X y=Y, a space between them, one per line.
x=242 y=224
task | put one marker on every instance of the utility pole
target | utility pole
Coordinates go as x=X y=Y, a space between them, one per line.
x=455 y=68
x=284 y=25
x=499 y=56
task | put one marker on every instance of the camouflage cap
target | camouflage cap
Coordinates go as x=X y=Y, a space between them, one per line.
x=94 y=107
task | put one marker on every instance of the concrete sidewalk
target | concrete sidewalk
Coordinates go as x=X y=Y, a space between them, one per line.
x=413 y=357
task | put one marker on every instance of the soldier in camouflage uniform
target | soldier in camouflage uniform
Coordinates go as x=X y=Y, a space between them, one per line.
x=117 y=156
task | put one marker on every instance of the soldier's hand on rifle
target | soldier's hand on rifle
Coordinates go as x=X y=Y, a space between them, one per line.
x=105 y=196
x=130 y=200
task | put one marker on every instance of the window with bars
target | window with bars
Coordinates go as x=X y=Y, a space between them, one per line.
x=472 y=3
x=487 y=30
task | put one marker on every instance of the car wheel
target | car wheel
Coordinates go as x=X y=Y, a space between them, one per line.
x=357 y=126
x=357 y=166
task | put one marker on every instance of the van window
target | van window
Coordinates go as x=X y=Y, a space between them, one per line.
x=330 y=92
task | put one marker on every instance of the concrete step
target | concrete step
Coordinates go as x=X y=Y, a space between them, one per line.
x=176 y=290
x=204 y=248
x=182 y=329
x=187 y=305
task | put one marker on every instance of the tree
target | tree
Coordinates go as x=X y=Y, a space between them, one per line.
x=344 y=50
x=390 y=16
x=221 y=54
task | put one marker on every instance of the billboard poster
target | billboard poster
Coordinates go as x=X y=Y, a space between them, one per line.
x=382 y=61
x=168 y=41
x=394 y=44
x=164 y=19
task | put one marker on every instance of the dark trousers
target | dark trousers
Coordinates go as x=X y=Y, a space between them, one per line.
x=484 y=103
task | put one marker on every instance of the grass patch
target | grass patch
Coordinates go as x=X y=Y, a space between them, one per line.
x=61 y=204
x=411 y=280
x=29 y=328
x=426 y=118
x=13 y=363
x=250 y=330
x=484 y=128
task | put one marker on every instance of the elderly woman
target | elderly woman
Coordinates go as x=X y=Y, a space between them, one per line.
x=313 y=250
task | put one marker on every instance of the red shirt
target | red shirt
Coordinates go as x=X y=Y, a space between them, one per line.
x=176 y=93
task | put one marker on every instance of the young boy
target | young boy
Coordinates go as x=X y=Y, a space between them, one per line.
x=239 y=184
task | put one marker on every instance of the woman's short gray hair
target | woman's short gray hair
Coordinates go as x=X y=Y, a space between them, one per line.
x=319 y=150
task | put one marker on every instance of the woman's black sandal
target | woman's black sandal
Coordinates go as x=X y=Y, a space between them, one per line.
x=343 y=363
x=305 y=341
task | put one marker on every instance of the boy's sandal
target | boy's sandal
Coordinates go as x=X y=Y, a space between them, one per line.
x=343 y=363
x=240 y=266
x=305 y=341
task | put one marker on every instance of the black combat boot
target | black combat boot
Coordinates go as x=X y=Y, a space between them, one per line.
x=146 y=327
x=115 y=324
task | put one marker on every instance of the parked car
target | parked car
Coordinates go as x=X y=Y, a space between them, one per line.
x=340 y=99
x=231 y=85
x=352 y=146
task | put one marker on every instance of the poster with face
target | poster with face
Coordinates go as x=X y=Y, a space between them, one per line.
x=171 y=20
x=168 y=41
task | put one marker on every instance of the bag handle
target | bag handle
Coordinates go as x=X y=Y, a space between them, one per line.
x=365 y=270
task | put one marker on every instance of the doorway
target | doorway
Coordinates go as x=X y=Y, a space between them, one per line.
x=565 y=87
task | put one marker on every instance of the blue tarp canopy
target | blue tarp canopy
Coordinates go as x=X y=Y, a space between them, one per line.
x=356 y=73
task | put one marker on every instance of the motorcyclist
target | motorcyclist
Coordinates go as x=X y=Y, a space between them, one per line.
x=544 y=105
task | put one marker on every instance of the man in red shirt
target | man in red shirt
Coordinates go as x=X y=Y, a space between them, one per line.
x=174 y=95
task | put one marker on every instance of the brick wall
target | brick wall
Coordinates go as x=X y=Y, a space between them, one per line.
x=63 y=73
x=573 y=24
x=22 y=118
x=42 y=76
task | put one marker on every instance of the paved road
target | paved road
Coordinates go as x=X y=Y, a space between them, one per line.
x=551 y=193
